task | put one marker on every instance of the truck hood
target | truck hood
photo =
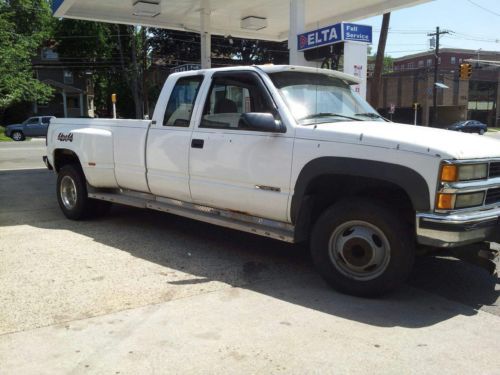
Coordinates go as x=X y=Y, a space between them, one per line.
x=420 y=139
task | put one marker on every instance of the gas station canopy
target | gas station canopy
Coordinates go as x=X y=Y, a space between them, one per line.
x=275 y=20
x=255 y=19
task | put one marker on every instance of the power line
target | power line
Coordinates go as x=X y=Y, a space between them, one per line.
x=484 y=8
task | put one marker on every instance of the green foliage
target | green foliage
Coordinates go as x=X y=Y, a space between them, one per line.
x=24 y=25
x=180 y=47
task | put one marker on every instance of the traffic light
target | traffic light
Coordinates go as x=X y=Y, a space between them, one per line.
x=465 y=71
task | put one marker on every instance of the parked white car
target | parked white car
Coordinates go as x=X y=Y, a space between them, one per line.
x=293 y=154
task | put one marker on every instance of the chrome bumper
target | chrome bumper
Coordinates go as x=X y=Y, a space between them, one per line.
x=458 y=229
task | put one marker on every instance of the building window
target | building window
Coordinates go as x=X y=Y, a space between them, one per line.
x=421 y=64
x=49 y=54
x=429 y=62
x=453 y=60
x=68 y=77
x=411 y=65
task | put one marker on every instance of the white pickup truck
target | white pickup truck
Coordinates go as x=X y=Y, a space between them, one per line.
x=293 y=154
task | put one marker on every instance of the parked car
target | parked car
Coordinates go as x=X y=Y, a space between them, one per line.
x=290 y=153
x=32 y=127
x=469 y=126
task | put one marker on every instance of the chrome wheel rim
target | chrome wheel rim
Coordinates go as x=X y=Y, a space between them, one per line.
x=68 y=192
x=359 y=250
x=16 y=136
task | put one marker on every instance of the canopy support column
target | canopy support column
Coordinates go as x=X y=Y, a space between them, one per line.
x=297 y=26
x=205 y=35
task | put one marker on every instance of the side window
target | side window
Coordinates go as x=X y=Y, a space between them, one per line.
x=33 y=121
x=181 y=101
x=229 y=97
x=45 y=120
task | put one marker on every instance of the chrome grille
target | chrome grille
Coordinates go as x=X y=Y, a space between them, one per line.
x=493 y=196
x=495 y=169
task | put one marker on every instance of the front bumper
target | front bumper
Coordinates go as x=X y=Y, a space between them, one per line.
x=458 y=229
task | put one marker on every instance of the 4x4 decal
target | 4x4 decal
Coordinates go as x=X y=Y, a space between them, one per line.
x=65 y=137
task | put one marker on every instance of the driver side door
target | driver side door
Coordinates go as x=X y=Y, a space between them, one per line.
x=235 y=167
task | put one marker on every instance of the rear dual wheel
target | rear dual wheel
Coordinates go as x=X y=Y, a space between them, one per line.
x=72 y=195
x=362 y=248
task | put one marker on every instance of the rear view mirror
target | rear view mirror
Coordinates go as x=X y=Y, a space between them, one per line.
x=264 y=122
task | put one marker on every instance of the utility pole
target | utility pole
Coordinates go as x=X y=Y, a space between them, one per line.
x=379 y=62
x=436 y=69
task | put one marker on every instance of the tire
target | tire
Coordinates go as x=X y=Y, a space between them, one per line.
x=72 y=195
x=17 y=136
x=481 y=131
x=362 y=248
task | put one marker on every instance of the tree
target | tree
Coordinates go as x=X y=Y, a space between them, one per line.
x=24 y=25
x=180 y=47
x=109 y=53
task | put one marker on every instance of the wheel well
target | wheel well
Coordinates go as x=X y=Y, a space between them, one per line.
x=325 y=190
x=64 y=157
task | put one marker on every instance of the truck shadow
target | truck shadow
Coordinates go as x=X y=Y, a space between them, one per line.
x=275 y=269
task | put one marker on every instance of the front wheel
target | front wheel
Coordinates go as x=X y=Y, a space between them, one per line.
x=17 y=136
x=362 y=248
x=481 y=131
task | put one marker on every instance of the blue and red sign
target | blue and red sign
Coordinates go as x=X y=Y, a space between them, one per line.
x=337 y=33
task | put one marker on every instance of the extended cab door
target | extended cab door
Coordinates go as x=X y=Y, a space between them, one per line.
x=235 y=167
x=168 y=145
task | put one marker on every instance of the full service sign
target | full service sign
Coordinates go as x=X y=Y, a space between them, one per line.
x=334 y=34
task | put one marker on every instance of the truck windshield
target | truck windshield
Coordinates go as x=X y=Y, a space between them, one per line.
x=317 y=98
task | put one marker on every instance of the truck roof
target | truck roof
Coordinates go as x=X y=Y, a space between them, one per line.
x=270 y=68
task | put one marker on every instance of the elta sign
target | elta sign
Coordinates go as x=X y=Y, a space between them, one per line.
x=337 y=33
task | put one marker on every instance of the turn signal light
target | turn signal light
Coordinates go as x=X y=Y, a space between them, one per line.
x=449 y=173
x=445 y=201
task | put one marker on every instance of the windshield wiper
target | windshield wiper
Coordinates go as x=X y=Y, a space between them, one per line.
x=370 y=114
x=327 y=114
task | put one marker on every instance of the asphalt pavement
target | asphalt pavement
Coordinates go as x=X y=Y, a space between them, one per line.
x=143 y=292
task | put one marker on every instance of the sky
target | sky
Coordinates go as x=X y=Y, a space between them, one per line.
x=474 y=28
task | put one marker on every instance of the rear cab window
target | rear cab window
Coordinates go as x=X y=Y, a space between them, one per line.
x=181 y=102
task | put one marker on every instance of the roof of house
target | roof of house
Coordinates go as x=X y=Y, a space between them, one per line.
x=63 y=87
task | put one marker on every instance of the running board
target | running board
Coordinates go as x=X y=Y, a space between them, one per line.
x=224 y=218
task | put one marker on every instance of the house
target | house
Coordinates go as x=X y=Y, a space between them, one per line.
x=73 y=86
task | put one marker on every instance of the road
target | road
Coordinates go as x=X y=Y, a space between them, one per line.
x=140 y=291
x=22 y=155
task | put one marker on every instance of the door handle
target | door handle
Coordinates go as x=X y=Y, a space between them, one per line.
x=197 y=143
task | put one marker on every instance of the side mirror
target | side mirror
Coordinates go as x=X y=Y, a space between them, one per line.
x=264 y=122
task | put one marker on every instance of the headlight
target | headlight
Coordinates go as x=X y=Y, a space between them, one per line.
x=464 y=172
x=469 y=200
x=456 y=201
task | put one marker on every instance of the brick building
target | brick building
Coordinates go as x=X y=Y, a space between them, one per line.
x=412 y=78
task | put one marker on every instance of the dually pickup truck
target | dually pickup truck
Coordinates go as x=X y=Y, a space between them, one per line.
x=294 y=154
